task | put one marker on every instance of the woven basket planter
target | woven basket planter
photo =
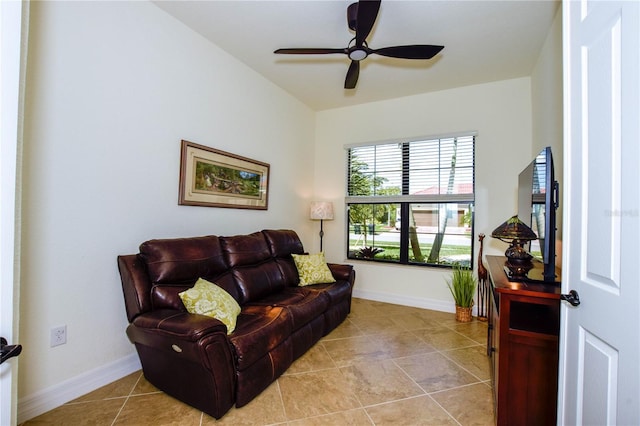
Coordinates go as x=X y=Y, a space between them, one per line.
x=464 y=314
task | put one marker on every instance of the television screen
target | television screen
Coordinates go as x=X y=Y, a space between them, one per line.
x=537 y=208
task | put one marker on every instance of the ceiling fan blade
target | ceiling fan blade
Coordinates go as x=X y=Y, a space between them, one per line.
x=412 y=51
x=352 y=75
x=367 y=14
x=309 y=51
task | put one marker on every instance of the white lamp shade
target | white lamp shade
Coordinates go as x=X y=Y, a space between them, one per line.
x=321 y=210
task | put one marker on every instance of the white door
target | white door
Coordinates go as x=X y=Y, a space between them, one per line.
x=13 y=23
x=600 y=339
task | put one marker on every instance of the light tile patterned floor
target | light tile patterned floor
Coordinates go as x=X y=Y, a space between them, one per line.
x=385 y=365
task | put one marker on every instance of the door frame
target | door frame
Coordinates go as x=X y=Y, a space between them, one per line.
x=14 y=24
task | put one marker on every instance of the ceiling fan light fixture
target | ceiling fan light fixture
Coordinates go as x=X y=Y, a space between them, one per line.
x=356 y=54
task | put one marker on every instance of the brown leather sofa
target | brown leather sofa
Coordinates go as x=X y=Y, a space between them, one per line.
x=190 y=356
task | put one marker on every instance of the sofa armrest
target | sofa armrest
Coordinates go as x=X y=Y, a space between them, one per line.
x=179 y=324
x=187 y=356
x=342 y=272
x=135 y=285
x=176 y=331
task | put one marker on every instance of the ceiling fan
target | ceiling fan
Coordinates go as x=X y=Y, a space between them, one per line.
x=360 y=17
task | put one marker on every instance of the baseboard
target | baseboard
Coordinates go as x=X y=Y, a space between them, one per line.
x=61 y=393
x=398 y=299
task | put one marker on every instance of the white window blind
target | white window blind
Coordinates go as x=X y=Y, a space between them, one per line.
x=428 y=170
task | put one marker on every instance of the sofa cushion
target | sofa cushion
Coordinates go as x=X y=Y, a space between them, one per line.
x=183 y=259
x=255 y=271
x=259 y=281
x=312 y=269
x=208 y=299
x=167 y=295
x=283 y=242
x=303 y=305
x=259 y=329
x=337 y=292
x=174 y=265
x=242 y=250
x=289 y=271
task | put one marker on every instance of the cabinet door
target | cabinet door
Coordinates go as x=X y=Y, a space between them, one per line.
x=528 y=365
x=532 y=381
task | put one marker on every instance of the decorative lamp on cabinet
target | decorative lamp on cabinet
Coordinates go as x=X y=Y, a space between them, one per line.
x=516 y=233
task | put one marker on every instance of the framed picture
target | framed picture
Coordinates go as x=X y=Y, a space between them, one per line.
x=214 y=178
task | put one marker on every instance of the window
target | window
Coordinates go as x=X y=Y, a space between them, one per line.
x=411 y=202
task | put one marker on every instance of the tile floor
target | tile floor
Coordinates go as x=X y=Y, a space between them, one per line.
x=385 y=365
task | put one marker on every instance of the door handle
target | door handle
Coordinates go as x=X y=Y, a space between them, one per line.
x=8 y=351
x=572 y=298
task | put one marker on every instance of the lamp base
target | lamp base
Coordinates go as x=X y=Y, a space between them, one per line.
x=517 y=254
x=518 y=268
x=518 y=261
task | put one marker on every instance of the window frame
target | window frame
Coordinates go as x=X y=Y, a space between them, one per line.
x=404 y=201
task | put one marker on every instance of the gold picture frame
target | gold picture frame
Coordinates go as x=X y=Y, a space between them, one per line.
x=213 y=178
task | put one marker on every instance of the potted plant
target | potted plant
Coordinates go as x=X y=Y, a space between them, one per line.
x=462 y=286
x=369 y=252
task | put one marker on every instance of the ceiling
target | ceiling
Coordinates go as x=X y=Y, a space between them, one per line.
x=484 y=41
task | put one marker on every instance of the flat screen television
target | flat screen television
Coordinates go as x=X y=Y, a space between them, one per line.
x=537 y=205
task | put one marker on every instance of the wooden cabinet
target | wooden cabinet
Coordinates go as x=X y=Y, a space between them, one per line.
x=523 y=345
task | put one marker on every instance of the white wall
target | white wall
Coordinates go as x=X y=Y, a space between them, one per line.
x=546 y=96
x=546 y=89
x=501 y=114
x=112 y=88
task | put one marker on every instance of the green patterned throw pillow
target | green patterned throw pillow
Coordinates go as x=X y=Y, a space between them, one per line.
x=312 y=269
x=206 y=298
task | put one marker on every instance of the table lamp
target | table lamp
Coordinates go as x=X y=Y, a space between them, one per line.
x=516 y=233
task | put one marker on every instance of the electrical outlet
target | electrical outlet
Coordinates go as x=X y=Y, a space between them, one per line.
x=58 y=336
